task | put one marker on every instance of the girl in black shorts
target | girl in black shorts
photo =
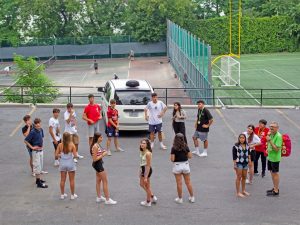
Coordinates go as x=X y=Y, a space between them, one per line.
x=98 y=152
x=146 y=171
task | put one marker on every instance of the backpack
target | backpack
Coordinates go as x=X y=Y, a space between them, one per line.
x=286 y=149
x=286 y=146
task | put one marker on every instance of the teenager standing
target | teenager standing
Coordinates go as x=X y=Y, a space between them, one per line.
x=179 y=117
x=98 y=153
x=25 y=131
x=180 y=154
x=261 y=131
x=156 y=109
x=241 y=159
x=92 y=115
x=70 y=118
x=66 y=151
x=146 y=172
x=112 y=128
x=34 y=141
x=54 y=131
x=202 y=124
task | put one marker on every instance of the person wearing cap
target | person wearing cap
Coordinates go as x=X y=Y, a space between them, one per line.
x=70 y=118
x=156 y=109
x=202 y=124
x=261 y=131
x=92 y=115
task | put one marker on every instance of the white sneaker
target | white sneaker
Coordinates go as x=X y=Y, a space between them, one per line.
x=109 y=153
x=152 y=145
x=80 y=156
x=75 y=160
x=154 y=199
x=44 y=172
x=33 y=174
x=62 y=197
x=56 y=163
x=203 y=154
x=192 y=199
x=120 y=150
x=247 y=181
x=196 y=153
x=101 y=199
x=110 y=202
x=178 y=200
x=145 y=203
x=163 y=147
x=74 y=196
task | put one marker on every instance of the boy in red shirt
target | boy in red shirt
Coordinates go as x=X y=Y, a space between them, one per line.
x=92 y=114
x=112 y=129
x=261 y=131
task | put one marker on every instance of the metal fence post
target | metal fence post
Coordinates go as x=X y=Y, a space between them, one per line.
x=261 y=97
x=22 y=95
x=70 y=97
x=213 y=95
x=166 y=96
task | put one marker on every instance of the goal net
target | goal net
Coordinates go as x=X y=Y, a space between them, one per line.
x=227 y=69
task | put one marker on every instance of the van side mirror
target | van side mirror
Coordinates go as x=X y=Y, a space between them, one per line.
x=100 y=89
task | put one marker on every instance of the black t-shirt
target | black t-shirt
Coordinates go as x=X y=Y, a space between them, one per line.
x=24 y=129
x=180 y=156
x=203 y=117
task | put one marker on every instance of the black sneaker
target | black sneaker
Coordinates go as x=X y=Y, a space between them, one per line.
x=42 y=185
x=271 y=190
x=273 y=193
x=263 y=174
x=42 y=181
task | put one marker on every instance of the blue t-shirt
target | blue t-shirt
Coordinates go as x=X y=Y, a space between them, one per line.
x=35 y=137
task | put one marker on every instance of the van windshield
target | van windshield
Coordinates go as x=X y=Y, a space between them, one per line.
x=132 y=97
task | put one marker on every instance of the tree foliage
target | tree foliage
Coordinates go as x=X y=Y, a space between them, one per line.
x=143 y=19
x=36 y=84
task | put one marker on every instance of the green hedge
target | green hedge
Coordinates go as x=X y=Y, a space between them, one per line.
x=258 y=35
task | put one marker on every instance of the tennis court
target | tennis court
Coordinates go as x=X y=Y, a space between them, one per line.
x=278 y=71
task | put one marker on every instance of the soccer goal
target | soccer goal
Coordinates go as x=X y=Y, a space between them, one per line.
x=228 y=70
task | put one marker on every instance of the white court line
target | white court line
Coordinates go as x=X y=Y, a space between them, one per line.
x=281 y=79
x=21 y=123
x=83 y=77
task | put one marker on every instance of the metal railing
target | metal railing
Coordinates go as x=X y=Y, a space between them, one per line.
x=220 y=96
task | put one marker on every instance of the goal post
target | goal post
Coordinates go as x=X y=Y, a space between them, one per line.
x=228 y=71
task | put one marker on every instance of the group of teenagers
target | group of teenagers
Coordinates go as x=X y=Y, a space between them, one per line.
x=66 y=147
x=257 y=143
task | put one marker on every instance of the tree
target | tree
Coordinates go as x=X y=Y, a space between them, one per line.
x=36 y=83
x=146 y=19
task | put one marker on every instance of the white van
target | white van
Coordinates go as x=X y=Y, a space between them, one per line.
x=131 y=97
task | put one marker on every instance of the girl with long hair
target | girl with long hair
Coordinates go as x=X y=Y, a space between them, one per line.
x=66 y=151
x=98 y=152
x=179 y=117
x=253 y=140
x=180 y=154
x=241 y=159
x=146 y=171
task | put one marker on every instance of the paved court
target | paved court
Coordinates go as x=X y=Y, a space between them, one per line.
x=213 y=178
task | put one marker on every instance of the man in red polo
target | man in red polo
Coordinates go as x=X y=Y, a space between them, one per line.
x=261 y=131
x=92 y=114
x=112 y=129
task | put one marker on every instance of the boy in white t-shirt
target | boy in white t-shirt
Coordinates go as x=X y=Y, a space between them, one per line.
x=70 y=118
x=54 y=130
x=156 y=109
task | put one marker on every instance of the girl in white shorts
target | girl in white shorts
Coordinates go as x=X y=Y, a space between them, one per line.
x=180 y=154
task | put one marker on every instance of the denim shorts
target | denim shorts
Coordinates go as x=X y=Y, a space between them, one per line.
x=242 y=166
x=155 y=128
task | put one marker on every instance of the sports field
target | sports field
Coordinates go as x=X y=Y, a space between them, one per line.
x=264 y=71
